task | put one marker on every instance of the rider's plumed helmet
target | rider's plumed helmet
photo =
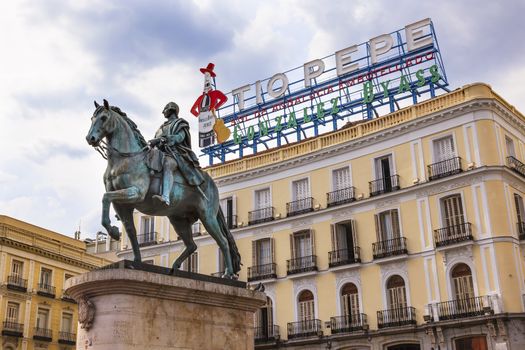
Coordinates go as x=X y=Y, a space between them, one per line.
x=171 y=106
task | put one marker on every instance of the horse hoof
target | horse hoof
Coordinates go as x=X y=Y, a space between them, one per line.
x=114 y=233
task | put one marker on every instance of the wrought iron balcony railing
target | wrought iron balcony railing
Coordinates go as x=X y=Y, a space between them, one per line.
x=444 y=168
x=147 y=239
x=342 y=196
x=348 y=323
x=13 y=329
x=384 y=185
x=453 y=234
x=307 y=328
x=300 y=206
x=16 y=283
x=266 y=334
x=521 y=230
x=400 y=316
x=260 y=215
x=302 y=264
x=461 y=308
x=516 y=165
x=43 y=334
x=262 y=272
x=344 y=257
x=46 y=290
x=231 y=221
x=390 y=247
x=67 y=338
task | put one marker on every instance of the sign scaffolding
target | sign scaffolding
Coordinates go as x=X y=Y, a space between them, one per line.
x=363 y=81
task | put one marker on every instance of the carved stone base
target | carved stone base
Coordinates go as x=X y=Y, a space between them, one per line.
x=128 y=309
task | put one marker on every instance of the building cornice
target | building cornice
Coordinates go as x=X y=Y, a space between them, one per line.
x=7 y=242
x=393 y=125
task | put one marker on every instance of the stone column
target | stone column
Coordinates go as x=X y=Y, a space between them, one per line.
x=129 y=309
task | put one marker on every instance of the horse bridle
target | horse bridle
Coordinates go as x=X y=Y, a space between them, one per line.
x=104 y=149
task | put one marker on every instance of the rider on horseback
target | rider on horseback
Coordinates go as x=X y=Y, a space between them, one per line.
x=173 y=138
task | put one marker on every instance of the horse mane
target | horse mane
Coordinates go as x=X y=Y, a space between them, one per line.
x=131 y=124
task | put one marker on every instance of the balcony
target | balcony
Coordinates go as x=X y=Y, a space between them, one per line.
x=302 y=329
x=13 y=329
x=302 y=264
x=46 y=290
x=516 y=165
x=390 y=247
x=68 y=298
x=521 y=230
x=344 y=257
x=342 y=196
x=44 y=334
x=348 y=323
x=397 y=317
x=16 y=283
x=260 y=215
x=266 y=334
x=462 y=308
x=300 y=206
x=384 y=185
x=67 y=338
x=231 y=221
x=147 y=239
x=444 y=168
x=453 y=234
x=262 y=272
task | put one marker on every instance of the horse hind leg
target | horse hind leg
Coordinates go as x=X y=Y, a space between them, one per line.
x=213 y=227
x=183 y=229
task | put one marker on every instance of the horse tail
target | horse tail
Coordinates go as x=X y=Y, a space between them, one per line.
x=234 y=252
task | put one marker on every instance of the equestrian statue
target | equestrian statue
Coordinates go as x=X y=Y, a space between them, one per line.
x=161 y=177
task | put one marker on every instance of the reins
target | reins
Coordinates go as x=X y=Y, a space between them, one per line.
x=104 y=149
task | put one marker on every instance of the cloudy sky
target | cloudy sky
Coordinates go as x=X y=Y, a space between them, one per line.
x=58 y=56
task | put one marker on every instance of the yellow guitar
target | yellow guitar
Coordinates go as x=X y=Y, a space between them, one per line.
x=222 y=132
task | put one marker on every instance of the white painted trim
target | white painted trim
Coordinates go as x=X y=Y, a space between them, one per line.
x=403 y=273
x=486 y=212
x=393 y=168
x=497 y=130
x=508 y=203
x=415 y=172
x=448 y=274
x=520 y=274
x=482 y=251
x=476 y=203
x=422 y=165
x=437 y=290
x=466 y=139
x=422 y=231
x=427 y=279
x=495 y=271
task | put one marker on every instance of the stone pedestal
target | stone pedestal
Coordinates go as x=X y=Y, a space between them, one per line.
x=125 y=307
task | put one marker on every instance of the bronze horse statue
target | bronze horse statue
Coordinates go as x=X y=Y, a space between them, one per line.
x=127 y=180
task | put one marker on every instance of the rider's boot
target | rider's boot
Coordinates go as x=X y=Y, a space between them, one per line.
x=167 y=182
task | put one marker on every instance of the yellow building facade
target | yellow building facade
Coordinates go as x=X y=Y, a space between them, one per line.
x=34 y=264
x=399 y=233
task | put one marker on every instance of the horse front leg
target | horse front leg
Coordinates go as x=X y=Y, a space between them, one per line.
x=128 y=195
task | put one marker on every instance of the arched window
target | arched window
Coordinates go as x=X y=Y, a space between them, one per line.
x=306 y=306
x=350 y=299
x=462 y=282
x=396 y=293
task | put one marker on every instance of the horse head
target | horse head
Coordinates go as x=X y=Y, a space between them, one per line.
x=101 y=124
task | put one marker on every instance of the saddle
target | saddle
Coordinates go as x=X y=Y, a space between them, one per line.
x=155 y=162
